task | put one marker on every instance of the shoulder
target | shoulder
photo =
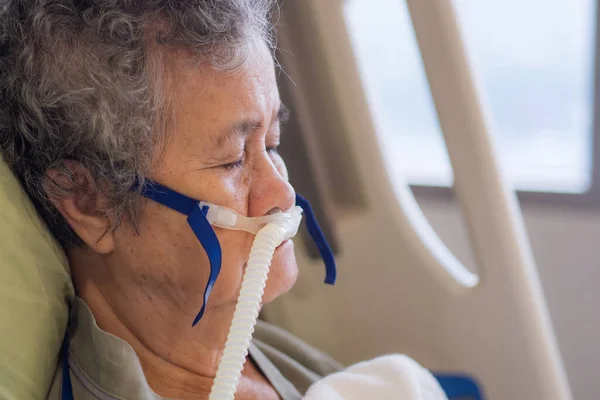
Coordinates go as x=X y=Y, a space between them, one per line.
x=298 y=361
x=280 y=340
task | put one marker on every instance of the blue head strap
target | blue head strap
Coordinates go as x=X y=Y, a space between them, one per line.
x=317 y=235
x=197 y=220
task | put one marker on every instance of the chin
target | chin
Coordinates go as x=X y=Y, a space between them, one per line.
x=283 y=272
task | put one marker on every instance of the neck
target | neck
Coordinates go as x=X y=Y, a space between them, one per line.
x=178 y=361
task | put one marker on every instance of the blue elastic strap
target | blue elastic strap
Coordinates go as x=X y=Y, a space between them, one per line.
x=459 y=387
x=207 y=237
x=168 y=198
x=67 y=388
x=200 y=226
x=317 y=235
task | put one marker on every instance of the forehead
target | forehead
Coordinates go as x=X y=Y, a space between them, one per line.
x=205 y=101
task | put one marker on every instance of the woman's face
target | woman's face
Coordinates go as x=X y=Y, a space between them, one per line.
x=222 y=149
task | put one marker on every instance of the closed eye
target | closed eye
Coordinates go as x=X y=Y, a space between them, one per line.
x=233 y=165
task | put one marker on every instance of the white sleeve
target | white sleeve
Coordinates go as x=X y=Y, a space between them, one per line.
x=387 y=377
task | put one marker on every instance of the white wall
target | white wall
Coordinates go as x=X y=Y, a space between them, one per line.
x=566 y=244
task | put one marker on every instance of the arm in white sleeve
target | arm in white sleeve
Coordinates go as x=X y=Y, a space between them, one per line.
x=386 y=377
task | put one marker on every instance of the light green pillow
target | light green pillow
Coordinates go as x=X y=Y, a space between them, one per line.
x=35 y=290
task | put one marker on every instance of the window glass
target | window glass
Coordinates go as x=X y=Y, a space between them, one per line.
x=533 y=61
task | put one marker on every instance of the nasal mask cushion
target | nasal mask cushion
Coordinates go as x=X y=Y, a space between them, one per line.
x=227 y=218
x=202 y=216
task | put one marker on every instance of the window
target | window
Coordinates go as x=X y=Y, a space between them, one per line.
x=533 y=61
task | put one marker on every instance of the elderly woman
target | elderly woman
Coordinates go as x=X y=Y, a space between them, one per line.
x=98 y=97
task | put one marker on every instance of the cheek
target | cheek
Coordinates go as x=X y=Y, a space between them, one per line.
x=165 y=260
x=232 y=192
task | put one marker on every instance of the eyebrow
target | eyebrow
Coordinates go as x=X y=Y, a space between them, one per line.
x=245 y=127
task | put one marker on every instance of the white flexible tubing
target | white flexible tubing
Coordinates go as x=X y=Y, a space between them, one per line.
x=246 y=312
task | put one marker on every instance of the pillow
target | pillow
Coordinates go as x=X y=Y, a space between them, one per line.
x=35 y=291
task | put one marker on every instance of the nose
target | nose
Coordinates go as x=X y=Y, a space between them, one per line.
x=271 y=190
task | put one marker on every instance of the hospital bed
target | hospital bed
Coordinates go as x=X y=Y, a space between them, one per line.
x=400 y=288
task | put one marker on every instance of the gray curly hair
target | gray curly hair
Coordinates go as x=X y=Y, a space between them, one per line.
x=80 y=84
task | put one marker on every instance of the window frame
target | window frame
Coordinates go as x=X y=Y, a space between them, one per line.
x=590 y=198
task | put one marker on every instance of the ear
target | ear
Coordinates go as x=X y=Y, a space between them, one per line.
x=81 y=206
